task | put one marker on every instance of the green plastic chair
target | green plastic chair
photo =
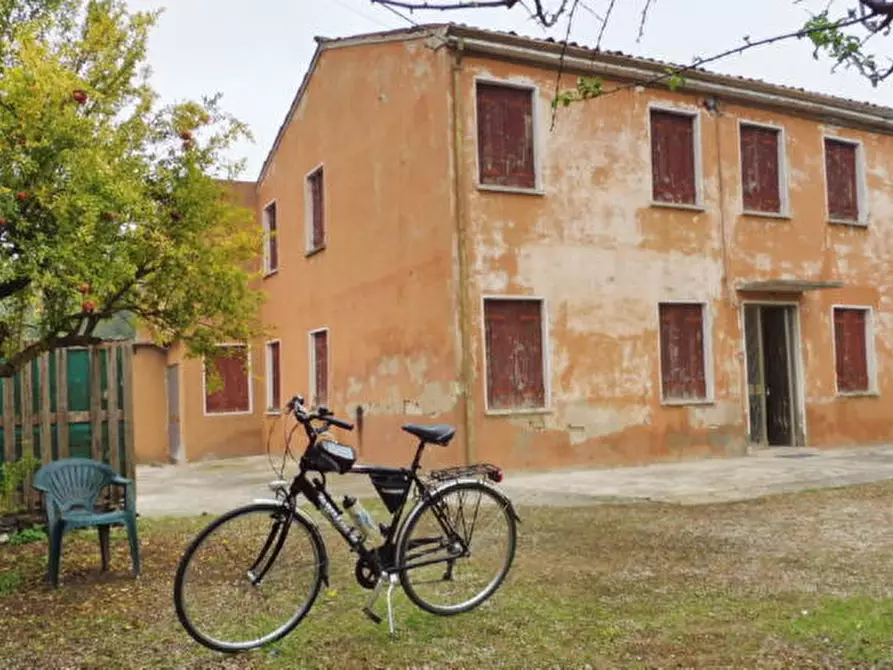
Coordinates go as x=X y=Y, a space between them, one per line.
x=71 y=487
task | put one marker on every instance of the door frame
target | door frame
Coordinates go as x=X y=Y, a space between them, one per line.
x=798 y=377
x=180 y=455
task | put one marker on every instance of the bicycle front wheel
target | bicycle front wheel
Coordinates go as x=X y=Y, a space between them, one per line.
x=249 y=578
x=457 y=548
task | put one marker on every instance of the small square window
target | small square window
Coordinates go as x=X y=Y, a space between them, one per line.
x=230 y=378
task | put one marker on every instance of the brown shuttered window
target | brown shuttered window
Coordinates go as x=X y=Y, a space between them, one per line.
x=271 y=239
x=673 y=157
x=515 y=363
x=851 y=349
x=760 y=170
x=232 y=371
x=505 y=136
x=273 y=376
x=316 y=194
x=683 y=372
x=320 y=366
x=841 y=176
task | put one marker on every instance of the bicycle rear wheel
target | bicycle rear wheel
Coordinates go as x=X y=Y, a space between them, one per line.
x=457 y=548
x=249 y=578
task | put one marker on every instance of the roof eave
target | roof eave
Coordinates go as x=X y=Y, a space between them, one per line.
x=625 y=68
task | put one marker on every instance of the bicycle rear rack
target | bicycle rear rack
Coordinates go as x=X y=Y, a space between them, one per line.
x=462 y=471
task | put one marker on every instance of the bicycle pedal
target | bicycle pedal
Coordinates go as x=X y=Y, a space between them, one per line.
x=372 y=615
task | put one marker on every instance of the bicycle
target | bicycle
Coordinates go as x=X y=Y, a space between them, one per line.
x=433 y=541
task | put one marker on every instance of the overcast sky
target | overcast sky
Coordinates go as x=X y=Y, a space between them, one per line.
x=255 y=53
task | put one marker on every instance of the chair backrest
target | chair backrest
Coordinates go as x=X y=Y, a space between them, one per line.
x=73 y=482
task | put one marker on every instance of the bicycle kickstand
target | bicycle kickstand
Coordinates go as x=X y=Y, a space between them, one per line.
x=367 y=610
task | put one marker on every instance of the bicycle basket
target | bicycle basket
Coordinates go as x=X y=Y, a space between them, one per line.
x=391 y=488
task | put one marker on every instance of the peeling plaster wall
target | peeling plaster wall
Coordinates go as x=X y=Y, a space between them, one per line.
x=377 y=117
x=602 y=257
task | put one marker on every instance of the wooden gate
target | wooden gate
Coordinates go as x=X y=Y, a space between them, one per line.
x=71 y=402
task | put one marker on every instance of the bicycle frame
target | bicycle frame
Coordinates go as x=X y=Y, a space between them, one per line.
x=381 y=557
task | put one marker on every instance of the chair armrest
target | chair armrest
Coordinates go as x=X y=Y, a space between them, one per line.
x=129 y=498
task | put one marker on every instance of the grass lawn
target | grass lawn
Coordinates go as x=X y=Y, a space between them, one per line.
x=798 y=580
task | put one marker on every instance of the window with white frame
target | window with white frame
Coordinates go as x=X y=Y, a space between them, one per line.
x=762 y=169
x=843 y=180
x=274 y=397
x=316 y=210
x=227 y=381
x=515 y=354
x=319 y=367
x=683 y=352
x=271 y=239
x=852 y=349
x=505 y=135
x=674 y=163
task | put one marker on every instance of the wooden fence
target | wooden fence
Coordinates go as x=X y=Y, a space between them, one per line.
x=71 y=402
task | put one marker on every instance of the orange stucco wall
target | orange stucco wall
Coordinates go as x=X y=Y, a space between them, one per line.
x=201 y=436
x=384 y=285
x=603 y=257
x=149 y=405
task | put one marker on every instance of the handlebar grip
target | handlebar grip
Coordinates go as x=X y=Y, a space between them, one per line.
x=338 y=422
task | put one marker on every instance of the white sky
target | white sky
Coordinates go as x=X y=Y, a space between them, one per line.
x=255 y=53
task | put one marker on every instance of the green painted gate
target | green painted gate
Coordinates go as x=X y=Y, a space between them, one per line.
x=71 y=402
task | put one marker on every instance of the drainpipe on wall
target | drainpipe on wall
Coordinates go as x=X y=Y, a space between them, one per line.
x=467 y=365
x=713 y=106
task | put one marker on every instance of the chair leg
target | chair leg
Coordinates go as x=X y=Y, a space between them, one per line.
x=132 y=536
x=55 y=553
x=104 y=546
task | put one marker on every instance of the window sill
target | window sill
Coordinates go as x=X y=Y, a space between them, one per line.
x=671 y=402
x=521 y=190
x=270 y=273
x=858 y=394
x=678 y=205
x=518 y=412
x=313 y=252
x=784 y=216
x=273 y=412
x=212 y=415
x=848 y=222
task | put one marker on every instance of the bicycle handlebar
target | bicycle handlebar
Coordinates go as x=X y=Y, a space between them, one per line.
x=296 y=406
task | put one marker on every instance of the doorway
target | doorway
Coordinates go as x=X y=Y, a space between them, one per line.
x=173 y=414
x=772 y=342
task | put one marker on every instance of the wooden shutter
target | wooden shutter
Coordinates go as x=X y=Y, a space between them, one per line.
x=673 y=157
x=850 y=345
x=840 y=173
x=505 y=136
x=682 y=351
x=275 y=397
x=760 y=169
x=234 y=394
x=514 y=340
x=317 y=200
x=272 y=239
x=321 y=367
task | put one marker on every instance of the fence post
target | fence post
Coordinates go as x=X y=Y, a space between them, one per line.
x=62 y=401
x=127 y=362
